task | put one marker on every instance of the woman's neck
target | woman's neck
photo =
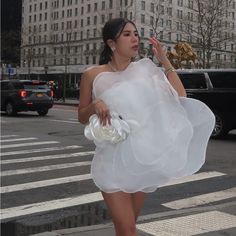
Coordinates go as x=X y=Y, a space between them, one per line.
x=119 y=64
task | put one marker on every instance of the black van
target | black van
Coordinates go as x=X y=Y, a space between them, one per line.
x=217 y=89
x=25 y=95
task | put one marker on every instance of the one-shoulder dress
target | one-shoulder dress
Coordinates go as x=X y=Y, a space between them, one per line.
x=169 y=134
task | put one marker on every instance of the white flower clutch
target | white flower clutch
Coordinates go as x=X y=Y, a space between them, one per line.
x=116 y=132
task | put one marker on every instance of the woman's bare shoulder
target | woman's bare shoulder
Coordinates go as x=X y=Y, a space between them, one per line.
x=91 y=72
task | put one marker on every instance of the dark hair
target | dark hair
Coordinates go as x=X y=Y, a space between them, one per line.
x=111 y=30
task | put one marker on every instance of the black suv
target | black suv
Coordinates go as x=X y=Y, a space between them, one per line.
x=217 y=89
x=25 y=95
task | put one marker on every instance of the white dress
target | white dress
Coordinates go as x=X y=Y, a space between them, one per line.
x=169 y=134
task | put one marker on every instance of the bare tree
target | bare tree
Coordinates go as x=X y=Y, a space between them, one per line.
x=207 y=31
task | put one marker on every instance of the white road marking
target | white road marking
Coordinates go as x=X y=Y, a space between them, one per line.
x=195 y=177
x=194 y=224
x=49 y=157
x=44 y=168
x=40 y=150
x=201 y=199
x=8 y=136
x=66 y=121
x=44 y=183
x=49 y=205
x=28 y=144
x=17 y=139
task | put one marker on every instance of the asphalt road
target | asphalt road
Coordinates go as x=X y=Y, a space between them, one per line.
x=46 y=183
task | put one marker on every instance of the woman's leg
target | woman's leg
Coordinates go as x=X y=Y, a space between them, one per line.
x=121 y=207
x=138 y=201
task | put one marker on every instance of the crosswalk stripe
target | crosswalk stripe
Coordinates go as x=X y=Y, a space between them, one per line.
x=49 y=157
x=195 y=224
x=16 y=140
x=44 y=168
x=29 y=209
x=201 y=199
x=65 y=121
x=9 y=136
x=195 y=177
x=28 y=144
x=44 y=183
x=40 y=150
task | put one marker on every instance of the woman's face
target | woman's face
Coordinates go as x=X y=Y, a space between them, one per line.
x=127 y=44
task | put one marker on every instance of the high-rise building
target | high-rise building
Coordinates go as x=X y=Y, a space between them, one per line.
x=64 y=36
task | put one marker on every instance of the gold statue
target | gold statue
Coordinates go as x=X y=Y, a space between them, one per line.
x=183 y=52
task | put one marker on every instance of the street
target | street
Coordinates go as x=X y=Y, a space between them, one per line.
x=46 y=183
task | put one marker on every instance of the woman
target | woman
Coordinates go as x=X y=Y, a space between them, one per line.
x=165 y=127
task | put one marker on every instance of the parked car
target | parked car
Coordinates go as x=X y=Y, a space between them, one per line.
x=217 y=89
x=25 y=95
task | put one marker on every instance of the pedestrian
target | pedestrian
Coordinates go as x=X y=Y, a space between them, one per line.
x=145 y=130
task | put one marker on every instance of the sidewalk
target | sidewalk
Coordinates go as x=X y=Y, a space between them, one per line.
x=215 y=220
x=68 y=102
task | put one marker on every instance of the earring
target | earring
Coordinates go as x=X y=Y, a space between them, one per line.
x=113 y=49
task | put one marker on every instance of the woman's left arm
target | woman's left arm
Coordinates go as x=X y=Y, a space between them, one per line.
x=170 y=72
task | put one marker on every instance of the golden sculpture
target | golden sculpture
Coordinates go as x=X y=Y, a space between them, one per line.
x=183 y=52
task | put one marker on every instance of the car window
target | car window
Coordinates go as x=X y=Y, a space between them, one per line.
x=193 y=80
x=35 y=85
x=223 y=79
x=15 y=85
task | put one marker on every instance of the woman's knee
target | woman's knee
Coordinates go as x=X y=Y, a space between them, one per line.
x=127 y=229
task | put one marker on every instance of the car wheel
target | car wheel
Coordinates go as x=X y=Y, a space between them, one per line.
x=43 y=112
x=10 y=109
x=220 y=129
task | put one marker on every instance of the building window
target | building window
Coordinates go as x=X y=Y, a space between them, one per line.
x=88 y=33
x=142 y=32
x=143 y=19
x=143 y=5
x=88 y=20
x=94 y=60
x=87 y=60
x=82 y=10
x=88 y=8
x=95 y=6
x=94 y=33
x=95 y=20
x=110 y=4
x=151 y=33
x=103 y=5
x=103 y=19
x=152 y=7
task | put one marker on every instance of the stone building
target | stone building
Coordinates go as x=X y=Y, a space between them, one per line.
x=64 y=36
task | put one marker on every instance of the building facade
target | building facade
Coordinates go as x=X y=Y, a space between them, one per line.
x=64 y=36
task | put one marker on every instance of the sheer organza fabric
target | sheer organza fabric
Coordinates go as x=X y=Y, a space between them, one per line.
x=168 y=134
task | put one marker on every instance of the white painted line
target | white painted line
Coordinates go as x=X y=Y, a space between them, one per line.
x=201 y=199
x=44 y=168
x=28 y=144
x=195 y=224
x=66 y=121
x=195 y=177
x=44 y=183
x=49 y=157
x=8 y=136
x=49 y=205
x=40 y=150
x=17 y=139
x=73 y=119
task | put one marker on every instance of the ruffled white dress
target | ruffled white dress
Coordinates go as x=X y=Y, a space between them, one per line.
x=169 y=134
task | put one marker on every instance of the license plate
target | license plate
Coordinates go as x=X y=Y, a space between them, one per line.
x=39 y=95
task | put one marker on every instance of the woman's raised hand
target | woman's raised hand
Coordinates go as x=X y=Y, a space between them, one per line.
x=102 y=111
x=159 y=51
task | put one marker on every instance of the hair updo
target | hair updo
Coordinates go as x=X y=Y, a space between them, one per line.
x=111 y=30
